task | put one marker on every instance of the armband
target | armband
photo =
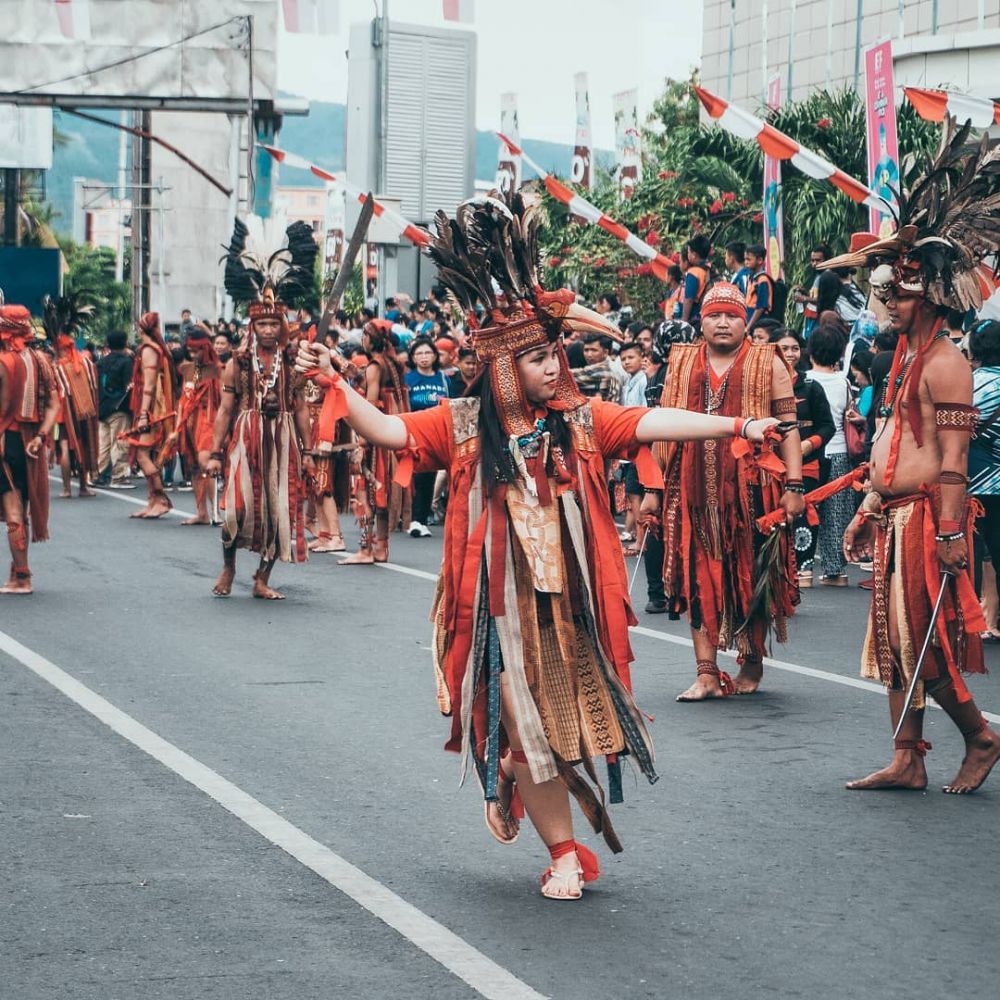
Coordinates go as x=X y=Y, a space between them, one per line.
x=229 y=388
x=950 y=478
x=784 y=406
x=956 y=417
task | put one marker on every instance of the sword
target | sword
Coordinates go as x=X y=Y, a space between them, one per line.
x=215 y=499
x=912 y=689
x=638 y=561
x=346 y=266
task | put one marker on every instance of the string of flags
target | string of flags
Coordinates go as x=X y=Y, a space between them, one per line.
x=416 y=235
x=583 y=209
x=783 y=147
x=934 y=105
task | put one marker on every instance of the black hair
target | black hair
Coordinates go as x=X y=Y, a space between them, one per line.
x=598 y=338
x=433 y=309
x=116 y=340
x=466 y=352
x=824 y=249
x=634 y=329
x=784 y=331
x=701 y=245
x=632 y=345
x=341 y=317
x=757 y=249
x=612 y=300
x=367 y=313
x=737 y=248
x=439 y=292
x=984 y=343
x=675 y=272
x=885 y=340
x=826 y=345
x=862 y=360
x=423 y=342
x=497 y=464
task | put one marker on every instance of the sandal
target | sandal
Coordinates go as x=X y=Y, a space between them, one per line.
x=508 y=801
x=588 y=869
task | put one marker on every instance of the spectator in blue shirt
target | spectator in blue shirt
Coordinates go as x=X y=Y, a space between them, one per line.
x=758 y=293
x=426 y=385
x=697 y=278
x=741 y=274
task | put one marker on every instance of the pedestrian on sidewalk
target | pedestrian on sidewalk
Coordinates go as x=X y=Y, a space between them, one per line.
x=114 y=373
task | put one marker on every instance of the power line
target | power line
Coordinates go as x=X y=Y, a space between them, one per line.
x=130 y=59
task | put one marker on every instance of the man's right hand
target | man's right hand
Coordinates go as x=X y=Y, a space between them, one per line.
x=213 y=467
x=859 y=540
x=650 y=510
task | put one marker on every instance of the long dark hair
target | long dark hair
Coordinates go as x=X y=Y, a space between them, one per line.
x=497 y=464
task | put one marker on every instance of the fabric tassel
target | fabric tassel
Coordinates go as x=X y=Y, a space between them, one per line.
x=492 y=711
x=615 y=795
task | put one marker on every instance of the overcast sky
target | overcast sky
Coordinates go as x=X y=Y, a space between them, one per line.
x=531 y=47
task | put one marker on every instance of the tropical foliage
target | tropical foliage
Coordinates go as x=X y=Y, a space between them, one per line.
x=705 y=180
x=91 y=271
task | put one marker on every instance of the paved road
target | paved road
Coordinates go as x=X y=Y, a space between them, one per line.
x=749 y=872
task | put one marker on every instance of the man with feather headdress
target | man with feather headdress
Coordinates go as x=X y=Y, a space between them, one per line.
x=916 y=523
x=531 y=616
x=29 y=405
x=78 y=446
x=263 y=413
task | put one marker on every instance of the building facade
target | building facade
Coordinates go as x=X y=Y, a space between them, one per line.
x=819 y=44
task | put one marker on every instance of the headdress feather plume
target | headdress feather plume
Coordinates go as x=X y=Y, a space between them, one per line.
x=287 y=272
x=66 y=313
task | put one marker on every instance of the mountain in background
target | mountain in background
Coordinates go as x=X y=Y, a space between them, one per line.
x=91 y=150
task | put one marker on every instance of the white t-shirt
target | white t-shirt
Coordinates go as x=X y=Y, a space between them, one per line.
x=838 y=395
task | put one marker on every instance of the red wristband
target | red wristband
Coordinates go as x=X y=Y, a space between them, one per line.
x=738 y=427
x=946 y=527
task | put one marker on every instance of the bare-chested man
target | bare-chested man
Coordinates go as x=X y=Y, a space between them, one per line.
x=29 y=406
x=916 y=523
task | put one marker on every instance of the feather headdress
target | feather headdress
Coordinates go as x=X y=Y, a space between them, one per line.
x=489 y=254
x=268 y=281
x=65 y=313
x=948 y=223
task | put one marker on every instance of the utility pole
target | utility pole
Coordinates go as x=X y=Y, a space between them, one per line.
x=141 y=193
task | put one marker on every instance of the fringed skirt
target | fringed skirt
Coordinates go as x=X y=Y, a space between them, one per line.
x=264 y=493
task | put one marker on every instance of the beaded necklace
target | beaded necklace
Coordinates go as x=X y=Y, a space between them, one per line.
x=900 y=371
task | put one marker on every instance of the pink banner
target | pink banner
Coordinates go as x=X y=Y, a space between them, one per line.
x=883 y=148
x=774 y=227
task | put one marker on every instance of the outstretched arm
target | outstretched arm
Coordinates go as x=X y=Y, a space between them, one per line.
x=381 y=429
x=669 y=424
x=223 y=418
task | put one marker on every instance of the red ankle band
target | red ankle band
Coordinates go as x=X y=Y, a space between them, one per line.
x=707 y=667
x=561 y=849
x=919 y=746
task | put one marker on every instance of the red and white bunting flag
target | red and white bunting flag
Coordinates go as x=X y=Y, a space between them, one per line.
x=583 y=209
x=312 y=17
x=413 y=233
x=782 y=147
x=933 y=105
x=459 y=10
x=74 y=19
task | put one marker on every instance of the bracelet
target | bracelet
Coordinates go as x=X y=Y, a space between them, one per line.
x=793 y=487
x=949 y=538
x=740 y=425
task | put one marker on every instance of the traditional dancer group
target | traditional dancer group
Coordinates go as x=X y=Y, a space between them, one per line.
x=532 y=611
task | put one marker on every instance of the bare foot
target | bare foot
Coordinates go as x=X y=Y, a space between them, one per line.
x=982 y=751
x=65 y=495
x=264 y=592
x=363 y=557
x=86 y=491
x=705 y=688
x=380 y=549
x=747 y=681
x=906 y=771
x=158 y=507
x=564 y=879
x=17 y=585
x=140 y=513
x=200 y=519
x=500 y=819
x=224 y=585
x=335 y=544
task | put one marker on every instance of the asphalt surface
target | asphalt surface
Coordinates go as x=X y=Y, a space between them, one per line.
x=748 y=872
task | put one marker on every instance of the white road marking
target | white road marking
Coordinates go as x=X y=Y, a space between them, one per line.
x=679 y=640
x=456 y=955
x=117 y=495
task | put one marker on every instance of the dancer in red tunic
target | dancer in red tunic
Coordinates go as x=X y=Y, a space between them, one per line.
x=29 y=405
x=532 y=612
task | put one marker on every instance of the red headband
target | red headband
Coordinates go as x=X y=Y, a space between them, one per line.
x=724 y=298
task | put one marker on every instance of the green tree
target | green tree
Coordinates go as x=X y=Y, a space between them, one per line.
x=91 y=270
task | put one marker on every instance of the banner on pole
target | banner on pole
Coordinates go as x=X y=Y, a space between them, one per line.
x=508 y=164
x=582 y=152
x=883 y=146
x=628 y=144
x=774 y=227
x=333 y=225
